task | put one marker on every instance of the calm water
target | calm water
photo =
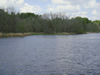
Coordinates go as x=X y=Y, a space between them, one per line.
x=50 y=55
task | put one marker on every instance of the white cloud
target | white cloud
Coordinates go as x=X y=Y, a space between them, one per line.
x=29 y=8
x=19 y=5
x=60 y=2
x=63 y=8
x=95 y=15
x=92 y=4
x=19 y=2
x=89 y=8
x=94 y=12
x=84 y=8
x=11 y=3
x=81 y=13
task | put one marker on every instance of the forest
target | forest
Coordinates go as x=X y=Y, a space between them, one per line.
x=12 y=22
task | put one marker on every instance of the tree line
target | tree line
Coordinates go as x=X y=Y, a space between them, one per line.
x=10 y=21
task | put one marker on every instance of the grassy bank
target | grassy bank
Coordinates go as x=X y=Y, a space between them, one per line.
x=52 y=33
x=14 y=34
x=30 y=33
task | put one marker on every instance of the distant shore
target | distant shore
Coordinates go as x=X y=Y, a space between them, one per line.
x=14 y=34
x=30 y=33
x=34 y=33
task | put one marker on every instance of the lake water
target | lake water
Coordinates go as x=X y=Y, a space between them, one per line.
x=50 y=55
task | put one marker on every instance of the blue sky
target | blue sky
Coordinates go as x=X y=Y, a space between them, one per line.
x=71 y=8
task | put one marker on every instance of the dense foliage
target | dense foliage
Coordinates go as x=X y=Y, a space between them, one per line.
x=47 y=23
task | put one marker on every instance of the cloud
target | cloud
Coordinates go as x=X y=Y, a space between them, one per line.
x=11 y=3
x=88 y=8
x=20 y=5
x=94 y=12
x=29 y=8
x=60 y=2
x=92 y=4
x=84 y=8
x=63 y=8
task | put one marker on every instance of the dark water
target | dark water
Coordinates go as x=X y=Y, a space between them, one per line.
x=50 y=55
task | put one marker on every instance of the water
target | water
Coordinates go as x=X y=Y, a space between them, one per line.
x=50 y=55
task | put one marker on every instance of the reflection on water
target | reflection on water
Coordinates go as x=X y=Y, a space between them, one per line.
x=50 y=55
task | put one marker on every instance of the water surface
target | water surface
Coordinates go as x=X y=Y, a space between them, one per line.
x=50 y=55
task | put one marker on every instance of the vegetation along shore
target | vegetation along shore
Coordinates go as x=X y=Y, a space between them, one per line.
x=23 y=24
x=31 y=33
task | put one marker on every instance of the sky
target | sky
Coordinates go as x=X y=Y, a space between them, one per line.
x=71 y=8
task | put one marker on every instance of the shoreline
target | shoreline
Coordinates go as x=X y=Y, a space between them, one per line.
x=31 y=33
x=14 y=34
